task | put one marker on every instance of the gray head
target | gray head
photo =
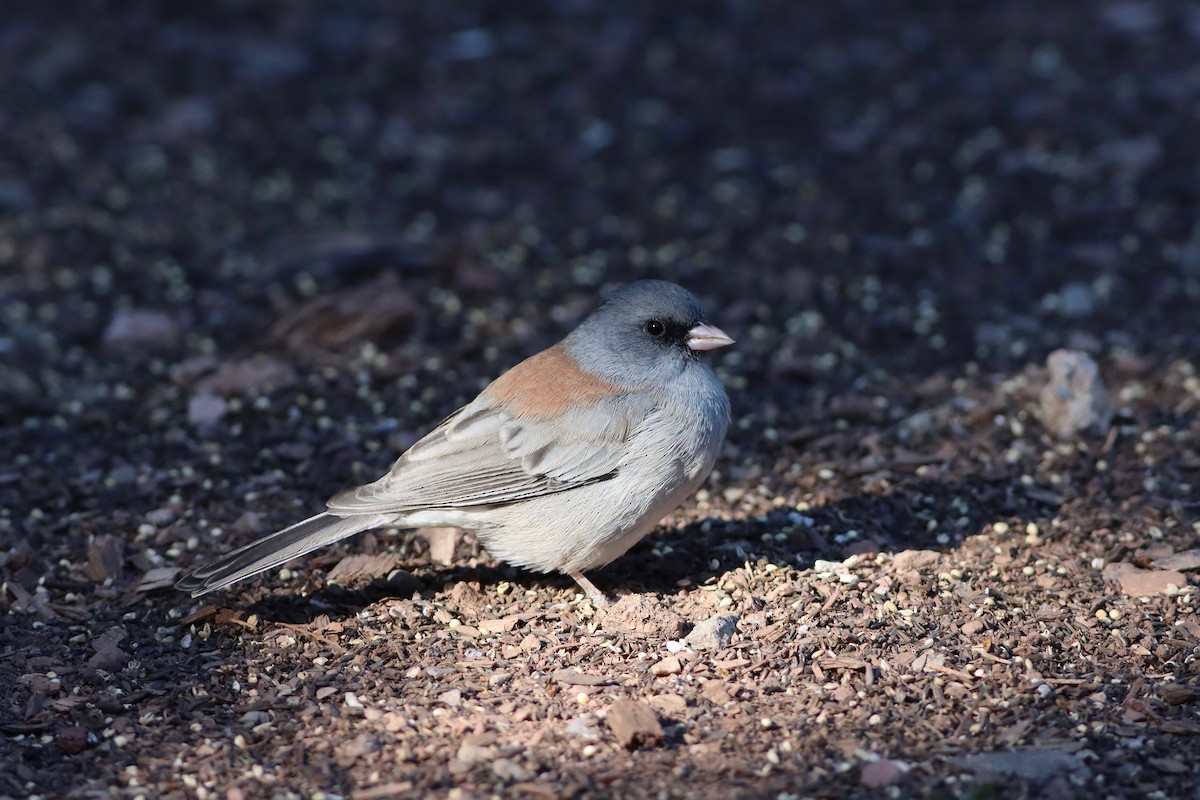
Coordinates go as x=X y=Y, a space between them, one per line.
x=646 y=332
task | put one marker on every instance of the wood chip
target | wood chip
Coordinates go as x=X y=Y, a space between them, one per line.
x=1177 y=694
x=502 y=625
x=572 y=677
x=383 y=791
x=842 y=662
x=362 y=568
x=160 y=578
x=106 y=555
x=203 y=612
x=1183 y=562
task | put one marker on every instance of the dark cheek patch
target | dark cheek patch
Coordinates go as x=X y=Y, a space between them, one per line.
x=545 y=386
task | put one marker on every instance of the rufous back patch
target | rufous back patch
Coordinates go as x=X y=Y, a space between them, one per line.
x=544 y=386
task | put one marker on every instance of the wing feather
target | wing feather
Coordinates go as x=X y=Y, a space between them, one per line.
x=484 y=456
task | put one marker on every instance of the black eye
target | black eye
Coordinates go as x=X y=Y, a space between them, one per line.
x=655 y=328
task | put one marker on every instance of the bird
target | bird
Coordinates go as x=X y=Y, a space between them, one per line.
x=561 y=464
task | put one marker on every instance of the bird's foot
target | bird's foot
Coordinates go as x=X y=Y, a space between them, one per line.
x=595 y=595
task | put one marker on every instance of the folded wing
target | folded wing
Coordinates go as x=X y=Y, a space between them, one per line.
x=485 y=456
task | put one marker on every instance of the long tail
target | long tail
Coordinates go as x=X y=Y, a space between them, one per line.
x=273 y=550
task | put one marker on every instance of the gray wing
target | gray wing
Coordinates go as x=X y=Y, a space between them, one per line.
x=482 y=456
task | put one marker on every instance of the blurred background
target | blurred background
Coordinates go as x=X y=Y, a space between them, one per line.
x=376 y=207
x=852 y=187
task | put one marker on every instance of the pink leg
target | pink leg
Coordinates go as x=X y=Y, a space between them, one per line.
x=595 y=595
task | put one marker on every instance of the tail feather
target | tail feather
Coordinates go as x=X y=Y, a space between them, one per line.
x=273 y=550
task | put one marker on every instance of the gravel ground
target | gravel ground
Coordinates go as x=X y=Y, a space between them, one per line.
x=249 y=252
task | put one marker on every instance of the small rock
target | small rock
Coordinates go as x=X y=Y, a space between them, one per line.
x=1074 y=400
x=206 y=409
x=634 y=724
x=862 y=547
x=17 y=388
x=1076 y=300
x=719 y=692
x=364 y=744
x=670 y=704
x=883 y=772
x=713 y=633
x=108 y=655
x=583 y=727
x=259 y=374
x=162 y=517
x=1143 y=582
x=74 y=740
x=508 y=770
x=915 y=560
x=972 y=627
x=668 y=666
x=640 y=615
x=394 y=722
x=294 y=451
x=475 y=749
x=399 y=583
x=139 y=329
x=467 y=595
x=123 y=475
x=247 y=524
x=187 y=118
x=573 y=677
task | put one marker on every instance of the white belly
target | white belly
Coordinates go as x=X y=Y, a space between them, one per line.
x=588 y=527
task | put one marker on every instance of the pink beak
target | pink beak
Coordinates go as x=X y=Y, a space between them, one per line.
x=707 y=337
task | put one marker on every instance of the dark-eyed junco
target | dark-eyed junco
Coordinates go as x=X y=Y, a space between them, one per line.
x=562 y=463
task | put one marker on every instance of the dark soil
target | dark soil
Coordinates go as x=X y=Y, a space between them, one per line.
x=250 y=251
